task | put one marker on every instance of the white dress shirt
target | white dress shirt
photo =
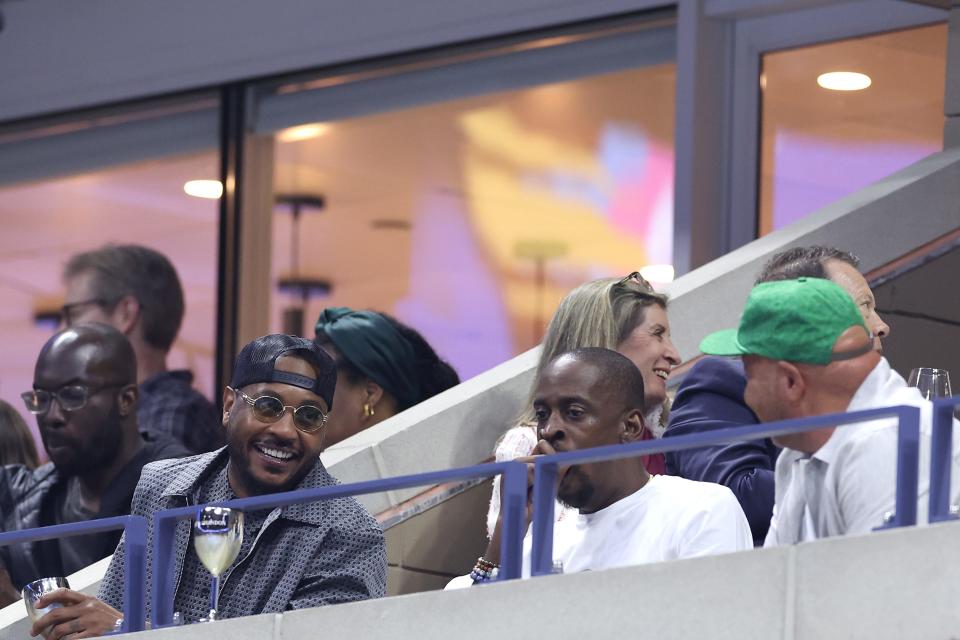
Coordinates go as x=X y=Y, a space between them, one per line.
x=848 y=485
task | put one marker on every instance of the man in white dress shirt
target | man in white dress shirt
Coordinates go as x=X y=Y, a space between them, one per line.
x=591 y=398
x=806 y=352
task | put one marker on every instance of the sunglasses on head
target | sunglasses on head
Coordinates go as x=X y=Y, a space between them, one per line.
x=635 y=277
x=308 y=418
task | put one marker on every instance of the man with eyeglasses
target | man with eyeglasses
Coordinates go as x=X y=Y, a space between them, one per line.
x=84 y=396
x=136 y=290
x=807 y=351
x=294 y=557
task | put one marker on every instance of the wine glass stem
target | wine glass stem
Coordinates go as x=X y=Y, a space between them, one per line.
x=214 y=597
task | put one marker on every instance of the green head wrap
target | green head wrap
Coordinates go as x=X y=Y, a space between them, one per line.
x=374 y=346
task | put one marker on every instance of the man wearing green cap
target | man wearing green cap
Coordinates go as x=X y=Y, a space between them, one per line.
x=806 y=351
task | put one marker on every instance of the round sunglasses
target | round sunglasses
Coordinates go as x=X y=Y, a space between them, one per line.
x=308 y=418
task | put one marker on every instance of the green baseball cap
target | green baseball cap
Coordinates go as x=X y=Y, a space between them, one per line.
x=794 y=320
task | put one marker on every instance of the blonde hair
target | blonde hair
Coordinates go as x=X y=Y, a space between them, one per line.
x=601 y=313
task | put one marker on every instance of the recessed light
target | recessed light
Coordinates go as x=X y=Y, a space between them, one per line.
x=659 y=273
x=844 y=81
x=210 y=189
x=303 y=132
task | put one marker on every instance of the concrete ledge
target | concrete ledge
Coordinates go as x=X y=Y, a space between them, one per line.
x=895 y=584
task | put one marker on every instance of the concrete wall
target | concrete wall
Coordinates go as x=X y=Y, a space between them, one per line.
x=57 y=55
x=894 y=584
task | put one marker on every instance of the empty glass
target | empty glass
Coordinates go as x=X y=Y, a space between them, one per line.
x=37 y=589
x=932 y=383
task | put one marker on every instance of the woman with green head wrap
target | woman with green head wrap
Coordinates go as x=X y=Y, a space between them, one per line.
x=383 y=367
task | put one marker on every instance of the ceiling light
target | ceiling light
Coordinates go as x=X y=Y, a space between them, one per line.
x=659 y=273
x=303 y=132
x=844 y=81
x=210 y=189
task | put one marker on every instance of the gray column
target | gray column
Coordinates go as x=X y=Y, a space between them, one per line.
x=951 y=102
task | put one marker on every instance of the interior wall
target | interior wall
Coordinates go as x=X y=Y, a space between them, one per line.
x=113 y=50
x=924 y=342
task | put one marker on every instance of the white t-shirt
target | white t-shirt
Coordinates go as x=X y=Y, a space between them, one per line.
x=669 y=518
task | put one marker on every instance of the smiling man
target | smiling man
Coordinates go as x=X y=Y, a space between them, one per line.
x=293 y=557
x=84 y=397
x=595 y=397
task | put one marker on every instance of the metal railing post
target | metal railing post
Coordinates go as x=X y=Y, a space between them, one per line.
x=908 y=471
x=941 y=458
x=514 y=508
x=544 y=497
x=161 y=592
x=134 y=574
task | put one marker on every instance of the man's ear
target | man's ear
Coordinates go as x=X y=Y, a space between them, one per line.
x=126 y=314
x=790 y=379
x=632 y=426
x=229 y=397
x=127 y=400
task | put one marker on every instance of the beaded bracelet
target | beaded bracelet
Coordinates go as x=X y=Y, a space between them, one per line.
x=484 y=571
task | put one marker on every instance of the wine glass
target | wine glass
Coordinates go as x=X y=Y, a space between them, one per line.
x=932 y=383
x=217 y=536
x=39 y=588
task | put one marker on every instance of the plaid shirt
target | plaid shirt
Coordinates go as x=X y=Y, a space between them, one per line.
x=305 y=555
x=170 y=406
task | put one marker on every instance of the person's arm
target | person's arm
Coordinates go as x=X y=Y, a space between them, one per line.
x=515 y=443
x=709 y=399
x=87 y=616
x=351 y=565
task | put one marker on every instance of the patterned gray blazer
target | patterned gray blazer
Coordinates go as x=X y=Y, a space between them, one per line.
x=305 y=556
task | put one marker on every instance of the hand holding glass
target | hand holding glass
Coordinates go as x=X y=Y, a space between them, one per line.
x=217 y=536
x=36 y=590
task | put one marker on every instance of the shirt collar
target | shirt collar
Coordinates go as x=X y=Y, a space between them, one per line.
x=189 y=478
x=880 y=382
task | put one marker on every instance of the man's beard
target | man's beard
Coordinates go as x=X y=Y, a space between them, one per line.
x=97 y=452
x=576 y=489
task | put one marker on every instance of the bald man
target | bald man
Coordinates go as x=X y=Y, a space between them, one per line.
x=85 y=398
x=807 y=351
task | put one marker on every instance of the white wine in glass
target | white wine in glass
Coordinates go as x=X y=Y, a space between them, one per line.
x=217 y=536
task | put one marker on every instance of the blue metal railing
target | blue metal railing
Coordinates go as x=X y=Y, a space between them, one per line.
x=134 y=562
x=515 y=497
x=514 y=503
x=546 y=468
x=941 y=456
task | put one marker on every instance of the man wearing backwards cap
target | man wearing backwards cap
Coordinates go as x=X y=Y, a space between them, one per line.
x=807 y=352
x=274 y=412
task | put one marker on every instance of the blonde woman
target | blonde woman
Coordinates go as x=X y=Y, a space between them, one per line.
x=625 y=315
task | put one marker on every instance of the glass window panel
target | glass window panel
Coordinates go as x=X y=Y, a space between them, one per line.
x=469 y=219
x=52 y=211
x=820 y=144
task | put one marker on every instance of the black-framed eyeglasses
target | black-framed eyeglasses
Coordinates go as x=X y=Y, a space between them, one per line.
x=67 y=310
x=635 y=277
x=71 y=397
x=308 y=418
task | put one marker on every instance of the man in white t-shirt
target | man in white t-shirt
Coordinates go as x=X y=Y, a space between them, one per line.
x=592 y=398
